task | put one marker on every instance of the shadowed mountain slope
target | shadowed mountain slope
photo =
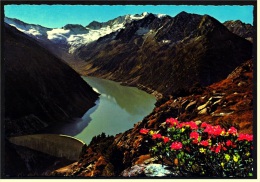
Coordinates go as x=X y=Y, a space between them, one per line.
x=39 y=88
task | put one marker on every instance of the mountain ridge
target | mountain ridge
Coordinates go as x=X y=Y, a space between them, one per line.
x=163 y=42
x=95 y=29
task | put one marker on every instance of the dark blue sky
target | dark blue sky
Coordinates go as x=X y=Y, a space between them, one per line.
x=55 y=16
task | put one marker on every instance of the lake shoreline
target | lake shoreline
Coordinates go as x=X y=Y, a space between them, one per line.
x=117 y=109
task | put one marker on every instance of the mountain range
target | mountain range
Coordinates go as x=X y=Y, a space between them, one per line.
x=157 y=53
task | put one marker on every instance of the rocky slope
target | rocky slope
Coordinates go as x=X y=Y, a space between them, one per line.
x=227 y=103
x=169 y=55
x=39 y=88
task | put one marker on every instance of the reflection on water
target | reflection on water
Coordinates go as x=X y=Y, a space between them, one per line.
x=131 y=99
x=116 y=110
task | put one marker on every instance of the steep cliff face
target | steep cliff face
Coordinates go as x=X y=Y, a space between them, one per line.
x=227 y=103
x=170 y=55
x=39 y=88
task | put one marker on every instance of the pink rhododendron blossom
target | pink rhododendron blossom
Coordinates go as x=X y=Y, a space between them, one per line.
x=245 y=137
x=193 y=125
x=176 y=146
x=214 y=130
x=172 y=122
x=229 y=143
x=204 y=143
x=218 y=130
x=203 y=125
x=156 y=136
x=180 y=125
x=144 y=131
x=166 y=139
x=232 y=130
x=194 y=135
x=218 y=148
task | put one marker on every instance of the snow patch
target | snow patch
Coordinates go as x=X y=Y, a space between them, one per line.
x=57 y=34
x=34 y=32
x=160 y=15
x=137 y=16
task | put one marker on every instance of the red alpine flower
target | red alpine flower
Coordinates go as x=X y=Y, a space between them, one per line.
x=166 y=139
x=245 y=137
x=232 y=130
x=193 y=125
x=229 y=143
x=214 y=130
x=156 y=136
x=203 y=125
x=194 y=135
x=204 y=143
x=172 y=122
x=217 y=130
x=180 y=125
x=218 y=148
x=176 y=146
x=144 y=131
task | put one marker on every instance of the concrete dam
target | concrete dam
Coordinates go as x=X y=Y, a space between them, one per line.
x=52 y=144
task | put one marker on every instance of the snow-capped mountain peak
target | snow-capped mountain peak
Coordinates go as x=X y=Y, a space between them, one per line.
x=72 y=36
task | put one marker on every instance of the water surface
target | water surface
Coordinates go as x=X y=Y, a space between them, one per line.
x=117 y=110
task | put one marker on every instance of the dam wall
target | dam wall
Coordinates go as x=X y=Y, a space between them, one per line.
x=52 y=144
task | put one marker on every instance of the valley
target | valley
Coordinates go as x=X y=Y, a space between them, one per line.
x=104 y=82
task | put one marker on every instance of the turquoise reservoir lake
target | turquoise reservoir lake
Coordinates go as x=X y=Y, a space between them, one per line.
x=117 y=110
